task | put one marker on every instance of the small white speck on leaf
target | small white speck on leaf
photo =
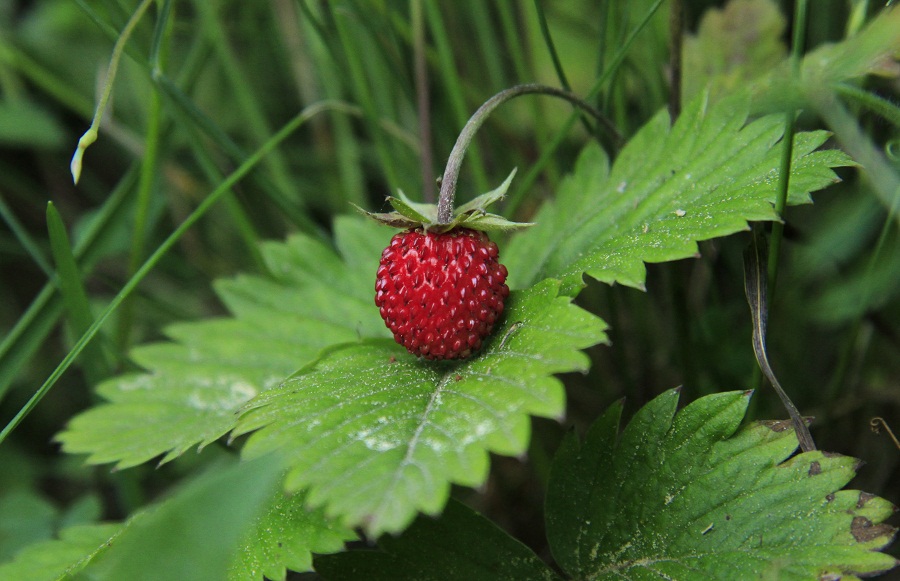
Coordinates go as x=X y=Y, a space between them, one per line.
x=621 y=187
x=680 y=213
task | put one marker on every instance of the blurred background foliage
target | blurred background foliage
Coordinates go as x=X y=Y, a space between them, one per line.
x=189 y=106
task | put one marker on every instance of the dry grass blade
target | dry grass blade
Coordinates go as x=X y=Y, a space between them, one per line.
x=755 y=282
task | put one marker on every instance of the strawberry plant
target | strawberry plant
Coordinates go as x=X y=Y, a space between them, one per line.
x=447 y=401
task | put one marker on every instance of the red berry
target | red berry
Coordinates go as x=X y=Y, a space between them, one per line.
x=440 y=294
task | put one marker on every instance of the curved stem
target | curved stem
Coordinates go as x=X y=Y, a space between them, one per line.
x=90 y=136
x=454 y=162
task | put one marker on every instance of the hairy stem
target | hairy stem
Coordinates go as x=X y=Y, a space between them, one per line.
x=454 y=162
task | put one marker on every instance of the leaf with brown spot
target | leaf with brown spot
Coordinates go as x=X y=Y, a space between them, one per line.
x=692 y=495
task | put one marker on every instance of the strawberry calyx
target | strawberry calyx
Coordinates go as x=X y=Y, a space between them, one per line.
x=472 y=215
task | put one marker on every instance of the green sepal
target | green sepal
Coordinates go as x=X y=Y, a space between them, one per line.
x=422 y=213
x=393 y=219
x=477 y=220
x=409 y=214
x=484 y=200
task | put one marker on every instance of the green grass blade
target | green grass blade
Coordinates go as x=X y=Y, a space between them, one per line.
x=28 y=334
x=45 y=80
x=455 y=92
x=554 y=57
x=191 y=113
x=147 y=179
x=151 y=262
x=24 y=238
x=177 y=98
x=517 y=196
x=516 y=46
x=351 y=52
x=33 y=327
x=73 y=293
x=248 y=103
x=784 y=173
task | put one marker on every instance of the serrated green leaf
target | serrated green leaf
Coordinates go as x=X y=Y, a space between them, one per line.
x=60 y=558
x=284 y=537
x=460 y=545
x=194 y=385
x=685 y=497
x=670 y=187
x=572 y=495
x=377 y=435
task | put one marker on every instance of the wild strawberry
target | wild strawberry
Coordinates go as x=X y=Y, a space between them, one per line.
x=441 y=293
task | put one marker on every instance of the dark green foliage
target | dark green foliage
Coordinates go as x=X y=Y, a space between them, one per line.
x=284 y=420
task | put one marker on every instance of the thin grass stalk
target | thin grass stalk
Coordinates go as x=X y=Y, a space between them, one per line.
x=245 y=97
x=554 y=57
x=69 y=281
x=784 y=172
x=423 y=103
x=515 y=50
x=32 y=328
x=516 y=198
x=25 y=239
x=147 y=178
x=90 y=136
x=676 y=47
x=161 y=251
x=453 y=85
x=350 y=54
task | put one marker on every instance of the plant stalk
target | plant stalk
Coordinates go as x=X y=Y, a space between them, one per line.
x=797 y=43
x=423 y=103
x=676 y=39
x=454 y=162
x=90 y=136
